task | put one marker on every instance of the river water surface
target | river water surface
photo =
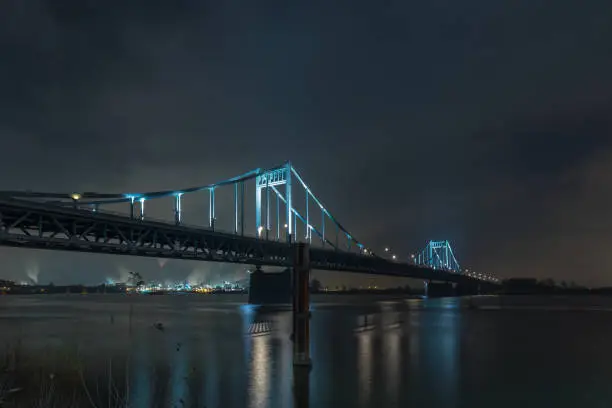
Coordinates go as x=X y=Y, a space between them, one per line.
x=367 y=351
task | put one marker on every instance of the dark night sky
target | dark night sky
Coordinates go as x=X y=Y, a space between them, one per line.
x=487 y=123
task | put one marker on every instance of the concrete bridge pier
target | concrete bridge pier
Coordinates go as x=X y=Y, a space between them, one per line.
x=301 y=305
x=465 y=288
x=468 y=289
x=270 y=288
x=445 y=289
x=439 y=289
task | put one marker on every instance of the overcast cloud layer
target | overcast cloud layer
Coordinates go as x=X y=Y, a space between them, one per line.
x=485 y=123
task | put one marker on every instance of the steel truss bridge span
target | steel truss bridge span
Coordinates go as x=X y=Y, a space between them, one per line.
x=279 y=214
x=28 y=224
x=286 y=211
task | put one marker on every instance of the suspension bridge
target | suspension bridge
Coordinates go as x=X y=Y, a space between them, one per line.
x=266 y=211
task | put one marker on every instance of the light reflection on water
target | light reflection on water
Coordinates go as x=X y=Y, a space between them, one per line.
x=393 y=358
x=217 y=353
x=140 y=391
x=364 y=365
x=259 y=376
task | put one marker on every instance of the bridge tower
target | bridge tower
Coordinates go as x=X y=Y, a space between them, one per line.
x=264 y=183
x=438 y=255
x=284 y=216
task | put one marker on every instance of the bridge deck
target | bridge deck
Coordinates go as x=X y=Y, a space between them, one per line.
x=31 y=224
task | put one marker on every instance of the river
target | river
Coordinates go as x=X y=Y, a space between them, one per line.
x=367 y=351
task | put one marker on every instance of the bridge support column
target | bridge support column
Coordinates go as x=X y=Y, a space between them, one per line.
x=132 y=208
x=142 y=201
x=322 y=228
x=469 y=288
x=443 y=289
x=177 y=209
x=267 y=207
x=211 y=208
x=301 y=305
x=277 y=217
x=258 y=227
x=288 y=193
x=236 y=208
x=242 y=208
x=301 y=386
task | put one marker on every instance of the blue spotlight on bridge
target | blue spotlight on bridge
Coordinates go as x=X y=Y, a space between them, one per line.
x=438 y=255
x=286 y=211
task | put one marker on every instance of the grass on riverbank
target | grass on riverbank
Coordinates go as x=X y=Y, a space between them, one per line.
x=60 y=378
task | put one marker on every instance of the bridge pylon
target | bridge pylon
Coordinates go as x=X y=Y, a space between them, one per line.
x=438 y=255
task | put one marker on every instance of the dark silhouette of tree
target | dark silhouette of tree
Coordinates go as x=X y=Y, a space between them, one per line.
x=315 y=285
x=135 y=279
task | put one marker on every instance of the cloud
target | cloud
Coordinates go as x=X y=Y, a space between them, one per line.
x=410 y=121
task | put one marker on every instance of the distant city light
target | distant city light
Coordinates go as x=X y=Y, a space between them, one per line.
x=386 y=249
x=153 y=287
x=75 y=196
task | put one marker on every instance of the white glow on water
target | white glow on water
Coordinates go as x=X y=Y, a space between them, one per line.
x=259 y=381
x=365 y=366
x=392 y=341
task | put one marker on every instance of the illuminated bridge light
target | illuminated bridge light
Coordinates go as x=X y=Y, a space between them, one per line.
x=438 y=255
x=280 y=184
